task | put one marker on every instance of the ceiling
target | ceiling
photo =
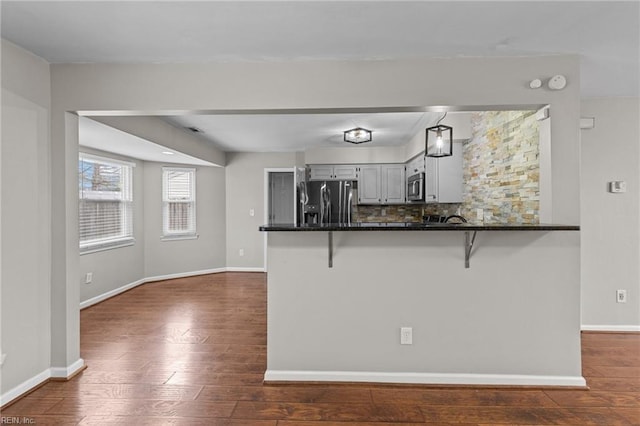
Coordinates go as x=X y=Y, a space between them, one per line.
x=100 y=136
x=606 y=35
x=299 y=132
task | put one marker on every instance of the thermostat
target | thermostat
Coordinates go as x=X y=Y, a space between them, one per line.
x=618 y=186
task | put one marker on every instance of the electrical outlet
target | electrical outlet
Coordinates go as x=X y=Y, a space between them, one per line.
x=621 y=296
x=406 y=336
x=241 y=252
x=252 y=212
x=88 y=278
x=480 y=214
x=618 y=187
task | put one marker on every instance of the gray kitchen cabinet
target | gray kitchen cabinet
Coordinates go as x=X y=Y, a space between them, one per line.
x=415 y=165
x=332 y=172
x=443 y=177
x=393 y=184
x=369 y=186
x=381 y=184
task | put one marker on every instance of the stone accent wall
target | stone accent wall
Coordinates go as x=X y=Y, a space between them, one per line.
x=501 y=167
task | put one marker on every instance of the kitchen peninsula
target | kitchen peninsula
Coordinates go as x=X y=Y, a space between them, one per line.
x=513 y=318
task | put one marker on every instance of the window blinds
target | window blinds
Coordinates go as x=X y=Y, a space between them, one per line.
x=105 y=202
x=179 y=201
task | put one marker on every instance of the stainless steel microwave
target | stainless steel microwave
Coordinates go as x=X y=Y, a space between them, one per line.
x=415 y=187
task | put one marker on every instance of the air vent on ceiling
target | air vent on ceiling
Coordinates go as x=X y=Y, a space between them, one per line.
x=194 y=129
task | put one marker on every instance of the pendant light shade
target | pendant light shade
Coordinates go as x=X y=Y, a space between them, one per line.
x=439 y=141
x=357 y=135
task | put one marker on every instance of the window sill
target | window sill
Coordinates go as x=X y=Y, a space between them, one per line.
x=110 y=246
x=179 y=237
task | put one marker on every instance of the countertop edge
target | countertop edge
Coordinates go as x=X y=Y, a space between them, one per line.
x=418 y=227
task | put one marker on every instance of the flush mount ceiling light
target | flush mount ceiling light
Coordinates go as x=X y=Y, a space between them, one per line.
x=439 y=140
x=357 y=135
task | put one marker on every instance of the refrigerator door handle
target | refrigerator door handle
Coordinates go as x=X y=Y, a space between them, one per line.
x=349 y=205
x=321 y=203
x=340 y=211
x=328 y=216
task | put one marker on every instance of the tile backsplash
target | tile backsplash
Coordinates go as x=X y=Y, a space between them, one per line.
x=402 y=213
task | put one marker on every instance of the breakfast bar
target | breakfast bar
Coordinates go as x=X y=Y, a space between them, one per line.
x=470 y=230
x=512 y=319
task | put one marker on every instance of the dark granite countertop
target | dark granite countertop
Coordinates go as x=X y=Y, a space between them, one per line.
x=402 y=226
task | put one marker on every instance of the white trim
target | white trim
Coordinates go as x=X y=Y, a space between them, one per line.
x=116 y=291
x=38 y=379
x=243 y=269
x=185 y=274
x=423 y=378
x=179 y=237
x=610 y=328
x=95 y=248
x=111 y=293
x=64 y=372
x=24 y=387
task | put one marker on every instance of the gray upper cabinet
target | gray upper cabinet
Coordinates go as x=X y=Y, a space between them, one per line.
x=443 y=178
x=345 y=172
x=369 y=187
x=393 y=184
x=381 y=184
x=332 y=172
x=416 y=165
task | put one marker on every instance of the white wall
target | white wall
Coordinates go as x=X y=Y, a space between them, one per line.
x=314 y=84
x=245 y=191
x=150 y=256
x=116 y=267
x=224 y=86
x=505 y=317
x=610 y=222
x=356 y=155
x=179 y=256
x=25 y=223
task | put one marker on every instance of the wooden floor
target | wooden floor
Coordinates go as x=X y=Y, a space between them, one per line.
x=192 y=352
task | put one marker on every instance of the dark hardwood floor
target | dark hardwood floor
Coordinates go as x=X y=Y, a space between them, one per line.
x=193 y=352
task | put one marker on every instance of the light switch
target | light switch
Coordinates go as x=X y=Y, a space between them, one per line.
x=618 y=186
x=252 y=212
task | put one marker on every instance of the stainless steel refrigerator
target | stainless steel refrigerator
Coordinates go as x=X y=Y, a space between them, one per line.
x=326 y=202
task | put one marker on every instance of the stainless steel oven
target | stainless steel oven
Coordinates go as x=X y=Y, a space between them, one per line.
x=415 y=187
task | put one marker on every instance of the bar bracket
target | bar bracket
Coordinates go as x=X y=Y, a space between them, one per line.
x=468 y=246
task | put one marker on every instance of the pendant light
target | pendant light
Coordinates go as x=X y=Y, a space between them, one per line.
x=357 y=135
x=439 y=140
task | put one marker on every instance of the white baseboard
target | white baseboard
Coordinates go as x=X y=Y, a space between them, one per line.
x=424 y=378
x=111 y=293
x=243 y=269
x=24 y=387
x=614 y=328
x=115 y=292
x=184 y=274
x=64 y=372
x=36 y=380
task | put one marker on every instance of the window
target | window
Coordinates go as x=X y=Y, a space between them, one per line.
x=106 y=203
x=179 y=202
